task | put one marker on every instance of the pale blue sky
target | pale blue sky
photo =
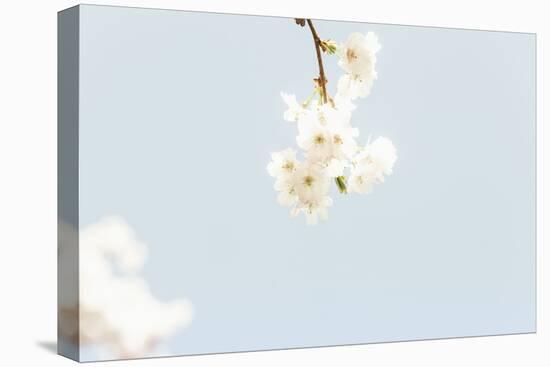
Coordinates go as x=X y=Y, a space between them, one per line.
x=179 y=112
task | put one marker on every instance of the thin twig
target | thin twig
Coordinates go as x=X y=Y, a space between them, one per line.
x=322 y=78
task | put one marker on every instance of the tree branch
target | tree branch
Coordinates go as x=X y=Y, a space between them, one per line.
x=322 y=81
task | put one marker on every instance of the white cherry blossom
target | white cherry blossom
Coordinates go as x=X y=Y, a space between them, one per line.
x=312 y=187
x=380 y=154
x=360 y=181
x=358 y=60
x=353 y=87
x=295 y=109
x=316 y=140
x=283 y=163
x=335 y=168
x=314 y=209
x=371 y=164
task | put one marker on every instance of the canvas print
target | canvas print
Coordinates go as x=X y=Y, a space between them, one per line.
x=234 y=183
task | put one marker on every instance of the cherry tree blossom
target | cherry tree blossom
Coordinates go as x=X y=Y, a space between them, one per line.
x=325 y=135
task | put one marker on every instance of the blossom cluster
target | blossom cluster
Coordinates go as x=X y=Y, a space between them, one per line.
x=328 y=140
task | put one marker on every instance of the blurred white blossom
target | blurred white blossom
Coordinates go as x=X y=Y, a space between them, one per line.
x=118 y=312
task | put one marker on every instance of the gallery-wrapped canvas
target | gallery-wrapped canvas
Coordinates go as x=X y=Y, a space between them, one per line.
x=239 y=183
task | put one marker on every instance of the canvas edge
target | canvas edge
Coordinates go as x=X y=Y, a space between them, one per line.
x=68 y=319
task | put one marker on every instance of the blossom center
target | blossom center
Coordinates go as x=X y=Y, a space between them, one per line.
x=322 y=119
x=288 y=166
x=308 y=181
x=351 y=55
x=319 y=139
